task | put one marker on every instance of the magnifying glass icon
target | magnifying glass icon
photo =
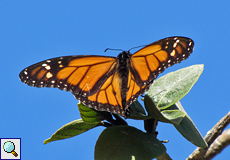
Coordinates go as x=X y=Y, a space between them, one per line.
x=9 y=147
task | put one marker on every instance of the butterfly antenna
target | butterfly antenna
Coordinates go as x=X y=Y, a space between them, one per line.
x=137 y=47
x=113 y=49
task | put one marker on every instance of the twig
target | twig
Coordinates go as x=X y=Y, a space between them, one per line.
x=199 y=152
x=218 y=145
x=164 y=157
x=150 y=126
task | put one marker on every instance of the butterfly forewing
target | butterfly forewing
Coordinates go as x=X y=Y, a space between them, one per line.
x=83 y=75
x=151 y=60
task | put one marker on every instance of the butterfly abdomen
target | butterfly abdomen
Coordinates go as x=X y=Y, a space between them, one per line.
x=123 y=61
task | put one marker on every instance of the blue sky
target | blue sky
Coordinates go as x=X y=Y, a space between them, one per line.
x=32 y=31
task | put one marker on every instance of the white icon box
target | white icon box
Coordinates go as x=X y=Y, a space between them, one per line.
x=10 y=148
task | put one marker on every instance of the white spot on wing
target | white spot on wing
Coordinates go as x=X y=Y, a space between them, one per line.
x=174 y=45
x=49 y=75
x=173 y=53
x=48 y=67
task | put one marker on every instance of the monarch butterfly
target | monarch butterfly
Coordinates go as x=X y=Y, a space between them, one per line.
x=108 y=83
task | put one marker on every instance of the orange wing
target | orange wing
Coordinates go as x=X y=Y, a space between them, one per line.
x=83 y=75
x=107 y=98
x=153 y=59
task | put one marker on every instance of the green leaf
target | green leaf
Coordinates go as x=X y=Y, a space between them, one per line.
x=170 y=88
x=126 y=143
x=90 y=114
x=168 y=116
x=174 y=116
x=153 y=110
x=137 y=108
x=188 y=129
x=72 y=129
x=137 y=111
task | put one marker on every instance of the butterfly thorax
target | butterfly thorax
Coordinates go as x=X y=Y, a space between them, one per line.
x=123 y=68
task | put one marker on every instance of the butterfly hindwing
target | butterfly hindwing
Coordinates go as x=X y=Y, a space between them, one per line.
x=107 y=98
